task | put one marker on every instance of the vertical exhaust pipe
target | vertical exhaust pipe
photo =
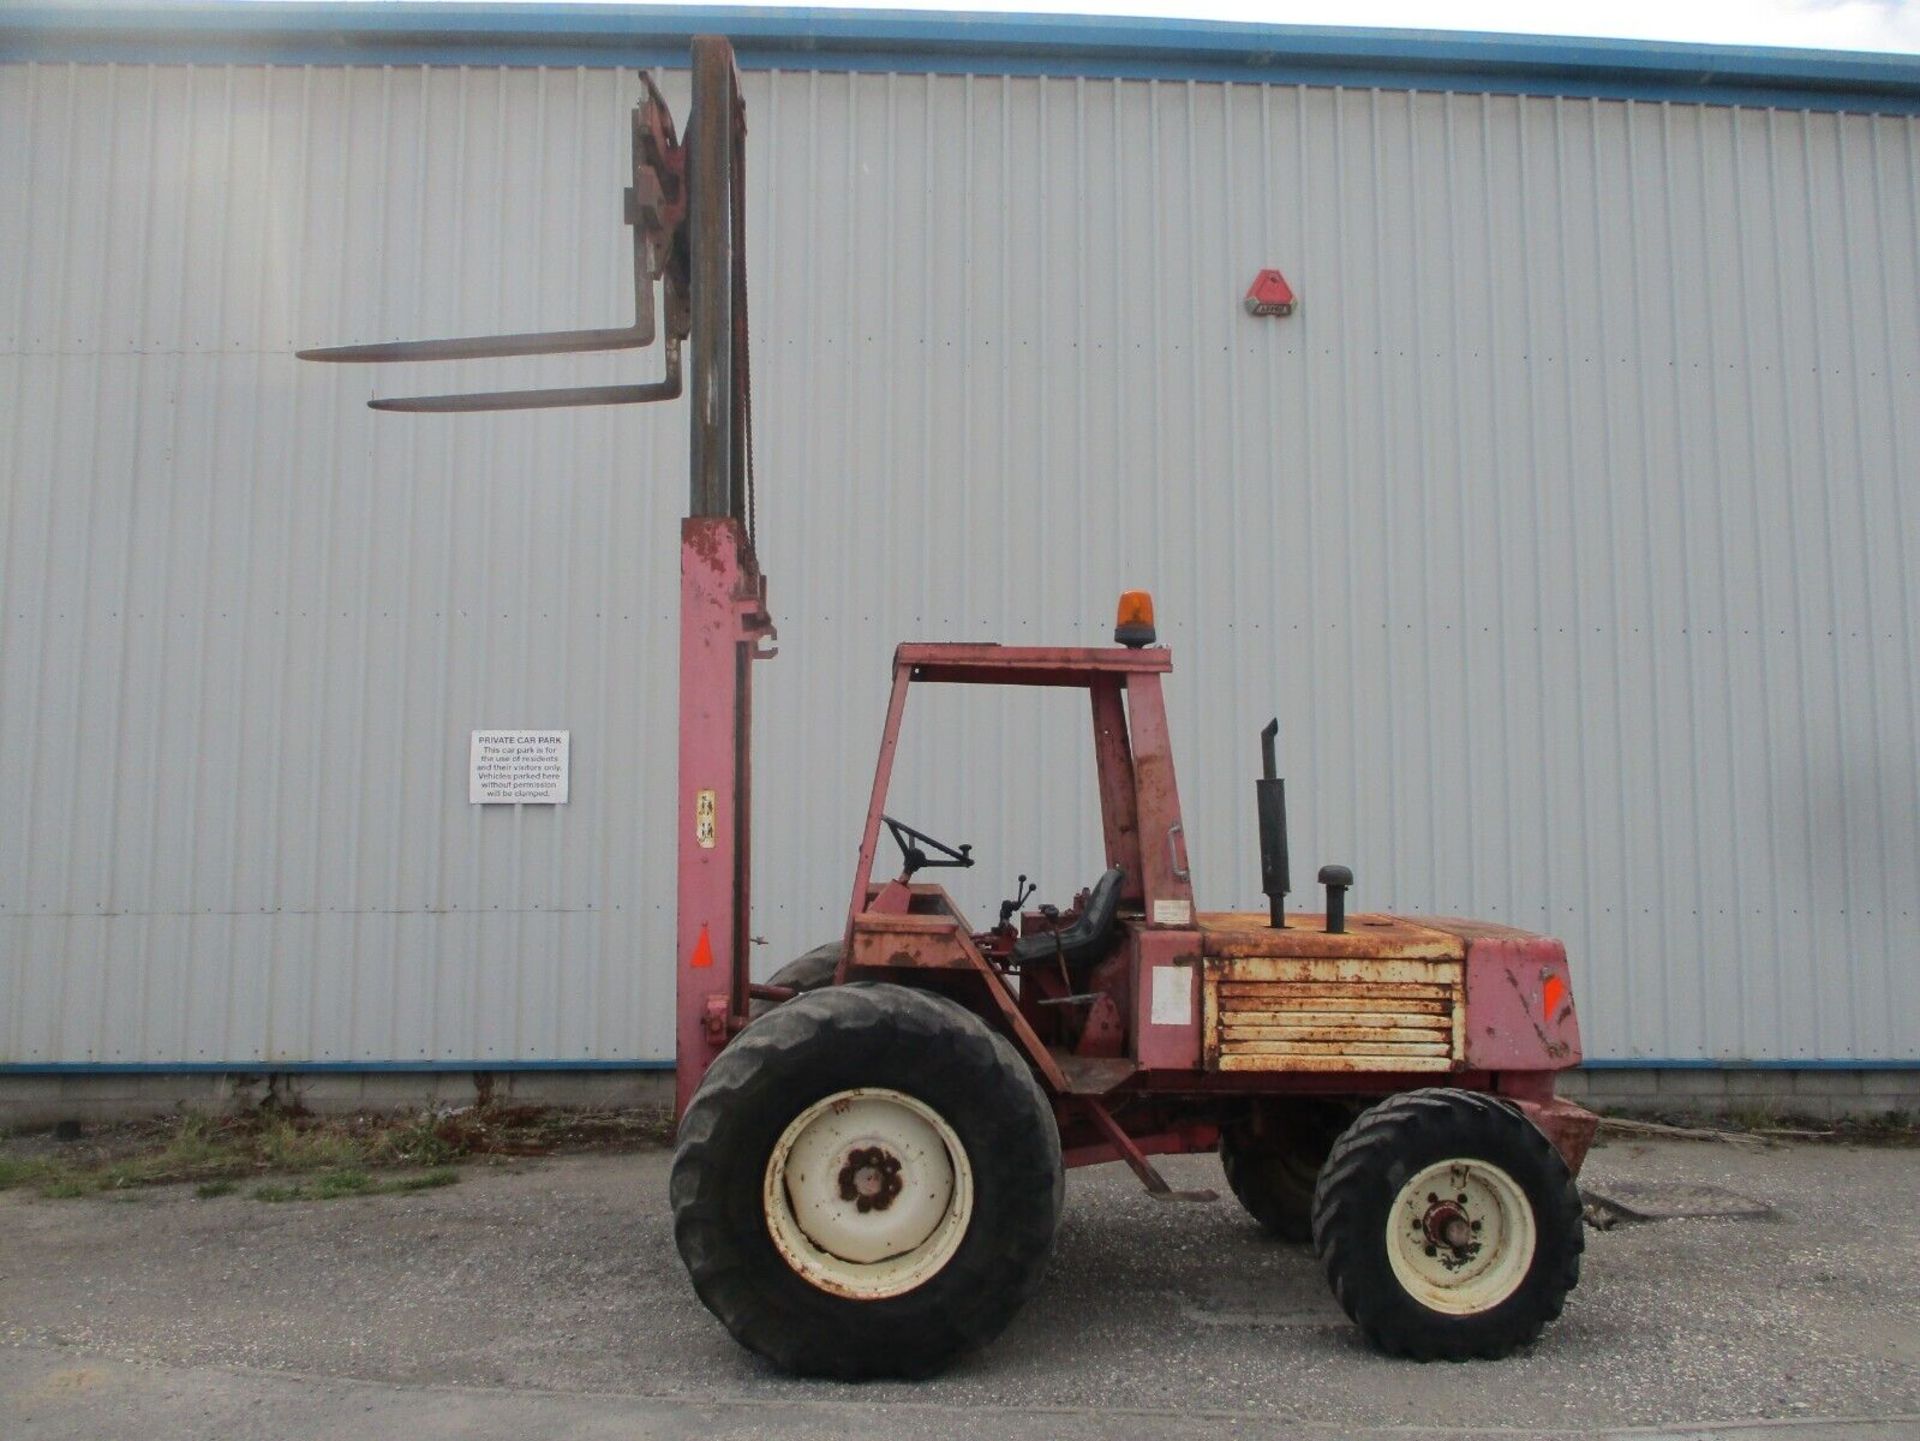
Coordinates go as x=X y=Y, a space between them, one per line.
x=1270 y=794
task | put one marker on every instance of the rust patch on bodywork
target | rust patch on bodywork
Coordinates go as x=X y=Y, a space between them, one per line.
x=1386 y=994
x=1351 y=1013
x=1248 y=933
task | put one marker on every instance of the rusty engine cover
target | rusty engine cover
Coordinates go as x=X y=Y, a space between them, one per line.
x=1385 y=995
x=1389 y=994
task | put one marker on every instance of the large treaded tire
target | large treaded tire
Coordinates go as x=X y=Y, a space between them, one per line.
x=816 y=1046
x=1369 y=1165
x=1272 y=1174
x=810 y=971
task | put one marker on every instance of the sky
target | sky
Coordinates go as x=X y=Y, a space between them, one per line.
x=1802 y=24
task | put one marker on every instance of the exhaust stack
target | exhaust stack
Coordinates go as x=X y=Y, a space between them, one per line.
x=1270 y=794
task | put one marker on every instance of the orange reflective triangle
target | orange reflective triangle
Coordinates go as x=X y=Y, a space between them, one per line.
x=702 y=952
x=1551 y=995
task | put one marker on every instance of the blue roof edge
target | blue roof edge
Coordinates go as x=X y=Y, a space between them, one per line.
x=256 y=31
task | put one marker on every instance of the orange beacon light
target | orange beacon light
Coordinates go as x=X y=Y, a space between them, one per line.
x=1133 y=625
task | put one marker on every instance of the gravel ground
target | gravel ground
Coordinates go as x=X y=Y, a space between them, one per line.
x=546 y=1298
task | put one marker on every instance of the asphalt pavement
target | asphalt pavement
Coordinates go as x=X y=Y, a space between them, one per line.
x=545 y=1299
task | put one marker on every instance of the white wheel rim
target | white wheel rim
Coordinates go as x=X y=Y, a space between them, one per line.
x=868 y=1193
x=1461 y=1236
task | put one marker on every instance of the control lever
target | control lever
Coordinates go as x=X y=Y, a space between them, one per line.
x=1023 y=890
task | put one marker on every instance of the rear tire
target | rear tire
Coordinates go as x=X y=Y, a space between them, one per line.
x=1272 y=1170
x=1448 y=1225
x=897 y=1098
x=809 y=972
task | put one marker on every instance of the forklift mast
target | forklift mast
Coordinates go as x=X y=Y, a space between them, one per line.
x=724 y=624
x=686 y=206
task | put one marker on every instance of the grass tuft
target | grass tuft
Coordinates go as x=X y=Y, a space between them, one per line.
x=335 y=1185
x=21 y=1171
x=341 y=1155
x=426 y=1181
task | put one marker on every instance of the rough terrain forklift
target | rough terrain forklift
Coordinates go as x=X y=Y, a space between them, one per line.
x=872 y=1144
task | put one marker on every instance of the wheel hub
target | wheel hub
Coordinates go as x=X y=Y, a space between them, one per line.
x=870 y=1179
x=868 y=1193
x=1461 y=1236
x=1447 y=1223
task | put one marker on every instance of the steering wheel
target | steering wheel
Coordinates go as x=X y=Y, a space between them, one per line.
x=914 y=846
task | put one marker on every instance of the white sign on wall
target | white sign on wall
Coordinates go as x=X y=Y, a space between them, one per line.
x=518 y=768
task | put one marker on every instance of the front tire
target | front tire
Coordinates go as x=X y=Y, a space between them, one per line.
x=866 y=1184
x=1448 y=1225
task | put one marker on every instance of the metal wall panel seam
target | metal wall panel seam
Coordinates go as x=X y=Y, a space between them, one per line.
x=1836 y=679
x=1892 y=995
x=1683 y=541
x=75 y=932
x=1740 y=1016
x=1856 y=955
x=274 y=999
x=1793 y=524
x=456 y=441
x=1865 y=446
x=1392 y=461
x=205 y=648
x=848 y=310
x=232 y=1041
x=154 y=937
x=13 y=1023
x=1743 y=284
x=409 y=446
x=36 y=674
x=1571 y=577
x=1457 y=410
x=1310 y=431
x=1643 y=455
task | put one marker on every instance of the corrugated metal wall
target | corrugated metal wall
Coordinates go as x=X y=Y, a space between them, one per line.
x=1567 y=528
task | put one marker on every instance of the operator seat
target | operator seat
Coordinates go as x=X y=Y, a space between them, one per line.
x=1086 y=938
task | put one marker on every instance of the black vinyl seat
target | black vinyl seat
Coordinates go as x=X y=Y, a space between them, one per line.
x=1086 y=937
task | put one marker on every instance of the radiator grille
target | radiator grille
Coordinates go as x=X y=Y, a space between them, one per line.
x=1333 y=1015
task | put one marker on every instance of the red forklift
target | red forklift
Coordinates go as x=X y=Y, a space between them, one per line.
x=872 y=1144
